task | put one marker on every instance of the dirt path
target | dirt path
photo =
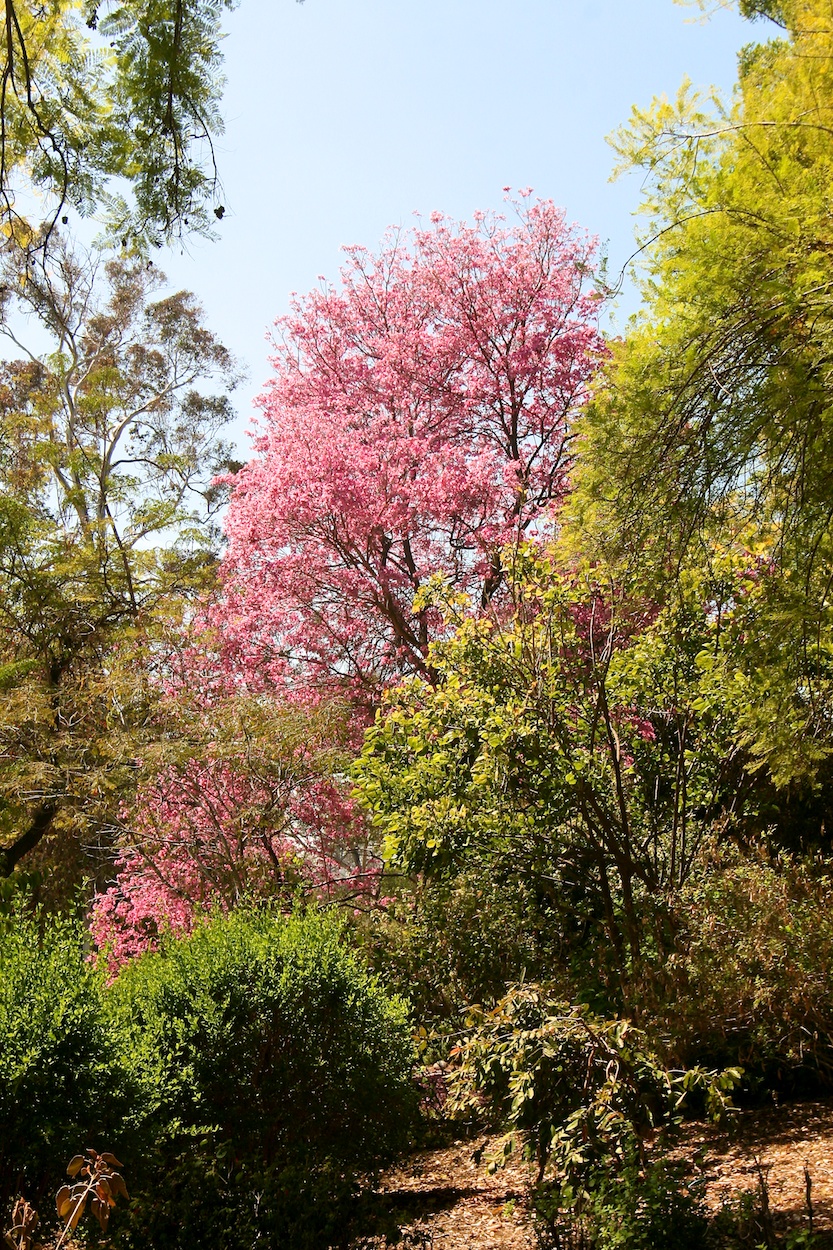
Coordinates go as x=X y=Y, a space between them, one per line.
x=444 y=1200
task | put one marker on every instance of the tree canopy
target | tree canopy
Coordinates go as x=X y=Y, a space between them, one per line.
x=110 y=442
x=112 y=106
x=715 y=415
x=420 y=418
x=585 y=744
x=583 y=585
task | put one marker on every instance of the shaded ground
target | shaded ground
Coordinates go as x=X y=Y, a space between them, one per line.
x=781 y=1141
x=444 y=1200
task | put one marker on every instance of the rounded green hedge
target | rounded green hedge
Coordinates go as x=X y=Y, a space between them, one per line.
x=274 y=1072
x=59 y=1076
x=247 y=1076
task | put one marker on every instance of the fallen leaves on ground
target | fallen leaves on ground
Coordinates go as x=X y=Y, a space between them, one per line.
x=445 y=1200
x=781 y=1141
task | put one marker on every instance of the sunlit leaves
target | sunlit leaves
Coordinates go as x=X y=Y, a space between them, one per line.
x=583 y=743
x=97 y=1184
x=111 y=440
x=715 y=421
x=113 y=95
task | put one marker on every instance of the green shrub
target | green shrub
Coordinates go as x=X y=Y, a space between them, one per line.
x=578 y=1091
x=274 y=1072
x=746 y=1221
x=59 y=1080
x=642 y=1208
x=750 y=980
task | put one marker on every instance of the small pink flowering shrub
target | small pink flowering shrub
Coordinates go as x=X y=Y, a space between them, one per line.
x=246 y=799
x=204 y=837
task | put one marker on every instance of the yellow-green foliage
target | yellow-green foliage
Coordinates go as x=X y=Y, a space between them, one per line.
x=715 y=419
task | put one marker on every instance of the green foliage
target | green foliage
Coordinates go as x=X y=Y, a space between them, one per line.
x=274 y=1071
x=59 y=1075
x=716 y=422
x=749 y=981
x=590 y=1099
x=133 y=106
x=446 y=944
x=747 y=1221
x=247 y=1076
x=775 y=10
x=583 y=747
x=643 y=1208
x=108 y=446
x=579 y=1091
x=165 y=95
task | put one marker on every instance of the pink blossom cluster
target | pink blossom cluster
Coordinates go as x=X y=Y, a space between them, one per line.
x=209 y=836
x=419 y=419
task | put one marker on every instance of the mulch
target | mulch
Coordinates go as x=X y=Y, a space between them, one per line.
x=445 y=1199
x=785 y=1144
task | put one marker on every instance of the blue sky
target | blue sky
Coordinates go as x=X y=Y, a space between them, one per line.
x=346 y=116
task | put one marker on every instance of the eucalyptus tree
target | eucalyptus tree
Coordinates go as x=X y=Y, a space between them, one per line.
x=111 y=439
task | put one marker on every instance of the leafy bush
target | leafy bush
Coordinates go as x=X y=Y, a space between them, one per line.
x=643 y=1208
x=591 y=1101
x=274 y=1072
x=747 y=1221
x=751 y=979
x=577 y=1090
x=59 y=1079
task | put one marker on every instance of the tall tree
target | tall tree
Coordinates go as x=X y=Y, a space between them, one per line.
x=420 y=418
x=98 y=92
x=718 y=413
x=109 y=448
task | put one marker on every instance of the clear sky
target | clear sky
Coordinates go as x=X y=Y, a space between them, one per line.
x=346 y=116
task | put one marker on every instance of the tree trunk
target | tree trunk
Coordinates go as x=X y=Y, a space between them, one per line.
x=10 y=856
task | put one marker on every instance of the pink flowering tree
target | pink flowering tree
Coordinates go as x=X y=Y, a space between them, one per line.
x=246 y=802
x=419 y=419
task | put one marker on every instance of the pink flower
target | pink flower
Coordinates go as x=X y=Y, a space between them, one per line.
x=418 y=420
